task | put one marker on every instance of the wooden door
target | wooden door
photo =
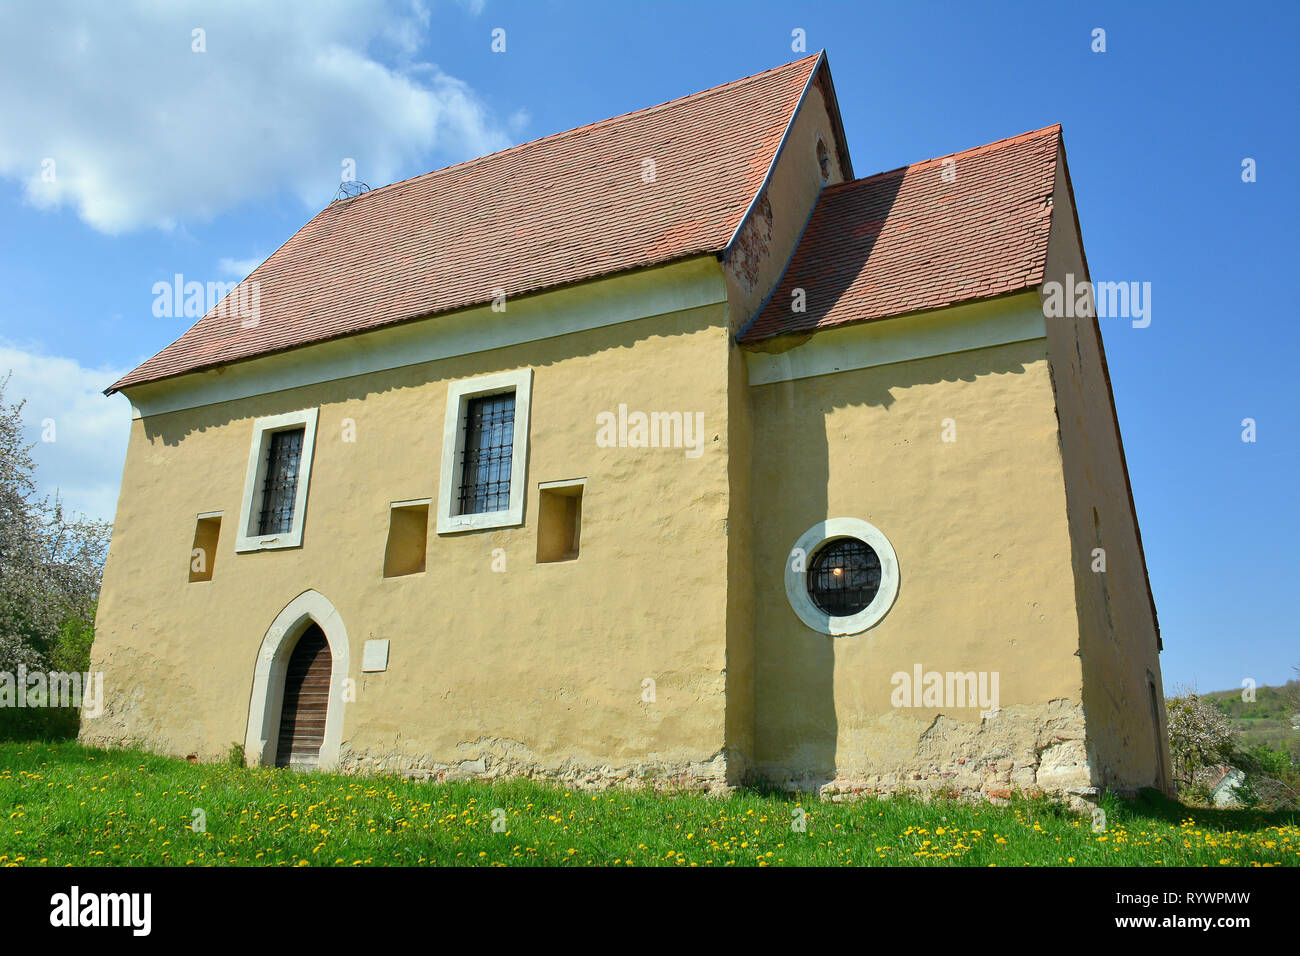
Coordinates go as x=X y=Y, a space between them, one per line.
x=1162 y=781
x=306 y=699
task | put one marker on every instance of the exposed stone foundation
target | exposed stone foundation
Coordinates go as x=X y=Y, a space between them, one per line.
x=498 y=759
x=1026 y=749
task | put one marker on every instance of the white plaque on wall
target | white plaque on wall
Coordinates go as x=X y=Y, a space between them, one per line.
x=375 y=657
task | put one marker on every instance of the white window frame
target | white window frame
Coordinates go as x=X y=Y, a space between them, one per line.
x=519 y=381
x=796 y=576
x=247 y=538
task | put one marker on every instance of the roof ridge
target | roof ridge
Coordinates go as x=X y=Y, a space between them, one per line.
x=589 y=126
x=972 y=151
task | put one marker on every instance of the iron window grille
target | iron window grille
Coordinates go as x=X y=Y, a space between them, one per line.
x=489 y=447
x=844 y=577
x=280 y=487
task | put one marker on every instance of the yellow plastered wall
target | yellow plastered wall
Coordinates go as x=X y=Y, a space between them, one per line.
x=1117 y=624
x=753 y=267
x=538 y=668
x=979 y=527
x=740 y=570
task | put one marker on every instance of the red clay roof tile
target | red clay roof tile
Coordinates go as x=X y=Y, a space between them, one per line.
x=558 y=210
x=907 y=240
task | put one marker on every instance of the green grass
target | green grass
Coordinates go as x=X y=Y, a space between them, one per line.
x=61 y=804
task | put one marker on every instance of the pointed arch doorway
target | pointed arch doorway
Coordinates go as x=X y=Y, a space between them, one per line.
x=295 y=714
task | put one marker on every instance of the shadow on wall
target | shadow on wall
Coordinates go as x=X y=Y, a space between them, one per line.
x=174 y=427
x=796 y=685
x=797 y=445
x=796 y=728
x=797 y=717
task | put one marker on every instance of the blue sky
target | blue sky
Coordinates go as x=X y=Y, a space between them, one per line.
x=171 y=161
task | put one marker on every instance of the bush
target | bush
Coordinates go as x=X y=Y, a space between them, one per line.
x=71 y=651
x=39 y=723
x=1272 y=781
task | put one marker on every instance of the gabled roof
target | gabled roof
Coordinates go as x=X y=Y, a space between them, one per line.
x=924 y=236
x=555 y=211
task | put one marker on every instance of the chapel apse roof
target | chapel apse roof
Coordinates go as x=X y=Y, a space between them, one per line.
x=914 y=238
x=559 y=210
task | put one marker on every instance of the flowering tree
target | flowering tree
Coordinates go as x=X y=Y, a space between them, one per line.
x=50 y=564
x=1199 y=736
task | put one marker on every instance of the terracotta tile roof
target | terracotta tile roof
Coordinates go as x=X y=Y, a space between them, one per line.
x=558 y=210
x=907 y=240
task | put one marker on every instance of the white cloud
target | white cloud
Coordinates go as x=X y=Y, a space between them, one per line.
x=518 y=121
x=139 y=130
x=239 y=268
x=65 y=401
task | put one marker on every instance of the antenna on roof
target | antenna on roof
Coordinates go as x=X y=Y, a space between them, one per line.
x=349 y=189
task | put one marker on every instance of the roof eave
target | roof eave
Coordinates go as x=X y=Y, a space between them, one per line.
x=805 y=333
x=122 y=384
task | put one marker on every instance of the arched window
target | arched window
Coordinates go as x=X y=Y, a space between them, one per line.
x=823 y=160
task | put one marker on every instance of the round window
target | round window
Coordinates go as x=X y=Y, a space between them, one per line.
x=844 y=577
x=841 y=576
